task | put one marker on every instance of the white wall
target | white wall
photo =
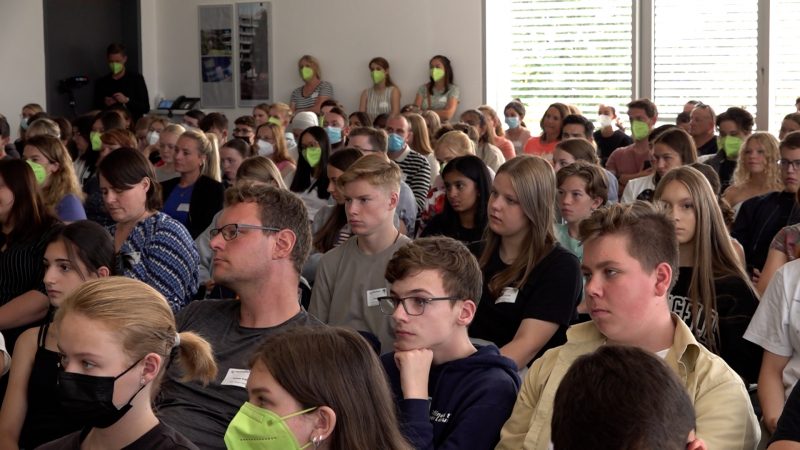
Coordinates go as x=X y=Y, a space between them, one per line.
x=21 y=58
x=343 y=34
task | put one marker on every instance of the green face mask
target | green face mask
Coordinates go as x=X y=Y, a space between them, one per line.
x=312 y=155
x=38 y=171
x=378 y=76
x=274 y=120
x=731 y=144
x=116 y=68
x=306 y=73
x=437 y=73
x=254 y=428
x=640 y=130
x=94 y=138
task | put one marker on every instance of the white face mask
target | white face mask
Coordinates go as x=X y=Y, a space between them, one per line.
x=605 y=121
x=152 y=137
x=265 y=148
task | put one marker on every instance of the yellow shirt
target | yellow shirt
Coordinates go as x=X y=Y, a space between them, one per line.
x=725 y=418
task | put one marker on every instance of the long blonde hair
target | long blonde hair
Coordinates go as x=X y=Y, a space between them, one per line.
x=714 y=254
x=534 y=182
x=260 y=169
x=142 y=319
x=281 y=152
x=63 y=181
x=208 y=146
x=421 y=141
x=773 y=172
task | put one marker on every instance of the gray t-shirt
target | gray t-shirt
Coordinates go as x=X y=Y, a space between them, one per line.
x=202 y=413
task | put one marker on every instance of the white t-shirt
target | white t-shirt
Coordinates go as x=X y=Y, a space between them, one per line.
x=776 y=324
x=635 y=187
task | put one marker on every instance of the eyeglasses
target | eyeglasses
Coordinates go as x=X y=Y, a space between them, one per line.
x=785 y=163
x=414 y=306
x=231 y=231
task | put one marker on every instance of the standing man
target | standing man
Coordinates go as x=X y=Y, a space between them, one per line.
x=121 y=86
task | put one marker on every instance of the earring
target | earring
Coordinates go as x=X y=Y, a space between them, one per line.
x=142 y=381
x=317 y=440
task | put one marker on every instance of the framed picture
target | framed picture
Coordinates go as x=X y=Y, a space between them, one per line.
x=216 y=56
x=253 y=22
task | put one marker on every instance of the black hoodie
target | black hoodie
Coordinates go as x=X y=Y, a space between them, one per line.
x=470 y=400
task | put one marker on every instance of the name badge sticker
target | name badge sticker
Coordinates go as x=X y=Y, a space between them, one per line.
x=314 y=94
x=183 y=207
x=509 y=295
x=443 y=99
x=374 y=294
x=236 y=377
x=383 y=104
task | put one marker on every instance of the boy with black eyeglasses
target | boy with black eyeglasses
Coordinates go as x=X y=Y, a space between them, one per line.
x=450 y=394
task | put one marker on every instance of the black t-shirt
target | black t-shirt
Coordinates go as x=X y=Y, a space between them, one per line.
x=160 y=437
x=736 y=304
x=131 y=85
x=439 y=226
x=789 y=424
x=607 y=145
x=551 y=294
x=709 y=148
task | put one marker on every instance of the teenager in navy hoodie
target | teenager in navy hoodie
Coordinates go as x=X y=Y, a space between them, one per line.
x=451 y=394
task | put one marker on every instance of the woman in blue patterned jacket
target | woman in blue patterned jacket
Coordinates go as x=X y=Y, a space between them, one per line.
x=150 y=246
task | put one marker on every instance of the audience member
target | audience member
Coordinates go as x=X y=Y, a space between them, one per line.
x=271 y=143
x=786 y=433
x=760 y=218
x=551 y=122
x=260 y=245
x=383 y=97
x=415 y=167
x=569 y=151
x=713 y=294
x=791 y=122
x=192 y=118
x=314 y=91
x=439 y=94
x=310 y=180
x=260 y=114
x=484 y=147
x=734 y=125
x=517 y=132
x=231 y=155
x=76 y=253
x=244 y=128
x=167 y=141
x=132 y=329
x=610 y=134
x=531 y=285
x=629 y=259
x=701 y=127
x=196 y=195
x=451 y=394
x=359 y=119
x=121 y=86
x=633 y=160
x=336 y=125
x=149 y=245
x=577 y=127
x=581 y=188
x=347 y=294
x=495 y=129
x=60 y=189
x=421 y=141
x=215 y=123
x=671 y=148
x=637 y=403
x=757 y=170
x=334 y=415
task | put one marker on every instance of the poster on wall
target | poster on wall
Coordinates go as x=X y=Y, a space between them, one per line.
x=216 y=56
x=253 y=24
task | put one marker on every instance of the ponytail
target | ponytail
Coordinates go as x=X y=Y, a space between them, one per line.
x=195 y=358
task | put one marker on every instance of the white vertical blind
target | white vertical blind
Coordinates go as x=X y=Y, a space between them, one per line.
x=705 y=51
x=571 y=51
x=784 y=59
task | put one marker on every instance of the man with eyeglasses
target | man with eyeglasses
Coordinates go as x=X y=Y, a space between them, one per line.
x=450 y=393
x=760 y=218
x=261 y=243
x=244 y=128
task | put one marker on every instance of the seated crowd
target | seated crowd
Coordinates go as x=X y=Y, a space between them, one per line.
x=399 y=277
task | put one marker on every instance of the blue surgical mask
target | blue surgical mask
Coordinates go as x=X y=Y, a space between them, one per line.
x=396 y=142
x=512 y=122
x=334 y=134
x=24 y=123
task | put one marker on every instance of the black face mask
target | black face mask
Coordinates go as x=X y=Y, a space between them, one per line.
x=90 y=399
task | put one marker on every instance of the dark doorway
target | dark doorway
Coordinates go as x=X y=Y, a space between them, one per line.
x=76 y=34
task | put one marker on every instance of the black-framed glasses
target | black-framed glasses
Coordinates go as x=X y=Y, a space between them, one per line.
x=231 y=231
x=414 y=306
x=785 y=163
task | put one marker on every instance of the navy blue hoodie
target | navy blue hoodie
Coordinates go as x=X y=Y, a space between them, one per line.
x=470 y=400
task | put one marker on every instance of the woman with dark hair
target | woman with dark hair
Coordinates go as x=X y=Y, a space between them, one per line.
x=25 y=227
x=384 y=96
x=231 y=156
x=312 y=399
x=310 y=181
x=150 y=246
x=551 y=123
x=359 y=119
x=439 y=94
x=467 y=184
x=330 y=224
x=78 y=252
x=517 y=132
x=109 y=140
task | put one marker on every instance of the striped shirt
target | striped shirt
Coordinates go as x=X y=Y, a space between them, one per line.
x=416 y=173
x=301 y=103
x=161 y=253
x=379 y=102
